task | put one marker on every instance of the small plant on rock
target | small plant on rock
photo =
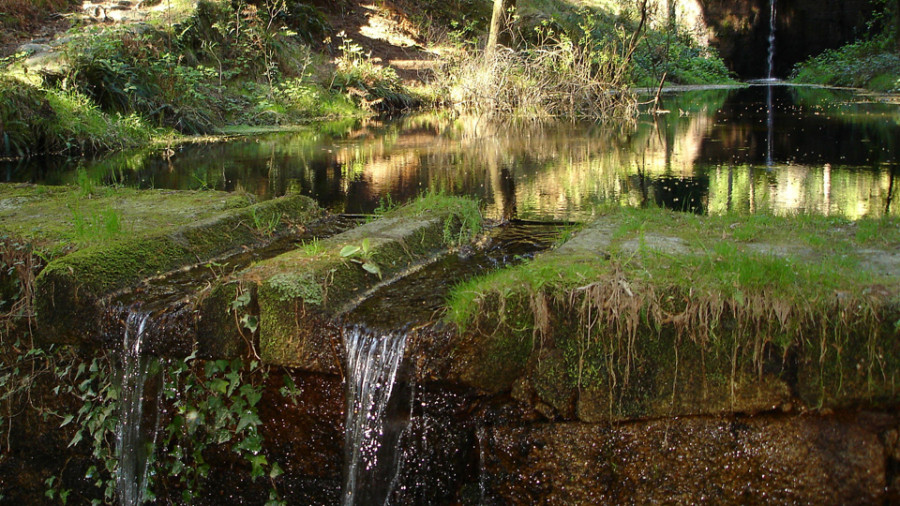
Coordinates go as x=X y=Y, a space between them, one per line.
x=362 y=255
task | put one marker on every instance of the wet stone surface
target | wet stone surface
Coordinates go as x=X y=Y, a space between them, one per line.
x=755 y=460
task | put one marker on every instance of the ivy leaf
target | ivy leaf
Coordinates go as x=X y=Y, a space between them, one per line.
x=75 y=440
x=240 y=301
x=248 y=418
x=257 y=462
x=251 y=394
x=219 y=385
x=276 y=471
x=67 y=420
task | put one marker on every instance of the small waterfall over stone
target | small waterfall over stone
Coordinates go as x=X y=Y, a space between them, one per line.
x=371 y=440
x=135 y=437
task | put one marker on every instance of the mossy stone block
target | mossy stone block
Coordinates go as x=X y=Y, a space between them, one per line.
x=71 y=289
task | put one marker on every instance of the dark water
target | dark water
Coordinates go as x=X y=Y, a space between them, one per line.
x=420 y=297
x=814 y=150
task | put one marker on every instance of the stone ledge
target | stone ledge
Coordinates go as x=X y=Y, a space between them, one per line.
x=70 y=290
x=301 y=295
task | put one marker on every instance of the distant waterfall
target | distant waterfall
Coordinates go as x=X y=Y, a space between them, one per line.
x=134 y=439
x=771 y=56
x=373 y=360
x=770 y=128
x=770 y=113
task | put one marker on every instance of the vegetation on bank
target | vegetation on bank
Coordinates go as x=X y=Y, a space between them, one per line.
x=872 y=61
x=196 y=69
x=732 y=296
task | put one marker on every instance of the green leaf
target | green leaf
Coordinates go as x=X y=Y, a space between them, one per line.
x=251 y=394
x=365 y=246
x=219 y=385
x=257 y=462
x=372 y=268
x=250 y=322
x=276 y=471
x=349 y=250
x=248 y=418
x=67 y=420
x=75 y=440
x=241 y=301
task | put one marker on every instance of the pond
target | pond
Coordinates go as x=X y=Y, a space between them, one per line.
x=775 y=148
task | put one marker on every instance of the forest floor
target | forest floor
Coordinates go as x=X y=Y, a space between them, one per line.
x=381 y=31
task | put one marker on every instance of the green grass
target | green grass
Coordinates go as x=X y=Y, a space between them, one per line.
x=735 y=296
x=799 y=260
x=464 y=210
x=91 y=213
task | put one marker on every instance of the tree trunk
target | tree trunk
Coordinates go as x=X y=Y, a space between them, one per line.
x=499 y=33
x=672 y=17
x=897 y=28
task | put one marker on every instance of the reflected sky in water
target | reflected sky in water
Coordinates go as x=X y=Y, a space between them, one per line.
x=712 y=151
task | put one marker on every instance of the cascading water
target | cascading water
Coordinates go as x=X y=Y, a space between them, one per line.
x=370 y=467
x=770 y=113
x=771 y=56
x=134 y=438
x=770 y=128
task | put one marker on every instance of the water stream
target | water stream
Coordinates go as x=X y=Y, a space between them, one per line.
x=770 y=68
x=138 y=413
x=372 y=432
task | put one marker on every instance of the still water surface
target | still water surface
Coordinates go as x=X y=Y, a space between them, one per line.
x=781 y=149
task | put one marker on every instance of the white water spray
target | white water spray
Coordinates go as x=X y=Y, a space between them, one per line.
x=133 y=443
x=373 y=360
x=771 y=56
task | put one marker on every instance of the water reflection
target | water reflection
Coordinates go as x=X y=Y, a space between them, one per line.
x=779 y=148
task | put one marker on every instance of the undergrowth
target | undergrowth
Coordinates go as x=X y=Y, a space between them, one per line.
x=871 y=62
x=464 y=219
x=556 y=75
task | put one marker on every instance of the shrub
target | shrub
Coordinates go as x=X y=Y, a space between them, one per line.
x=556 y=77
x=24 y=116
x=680 y=58
x=866 y=63
x=369 y=85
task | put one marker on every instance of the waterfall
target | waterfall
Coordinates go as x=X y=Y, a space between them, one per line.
x=770 y=127
x=370 y=467
x=134 y=438
x=771 y=56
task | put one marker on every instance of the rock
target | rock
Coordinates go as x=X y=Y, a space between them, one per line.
x=784 y=460
x=70 y=291
x=32 y=48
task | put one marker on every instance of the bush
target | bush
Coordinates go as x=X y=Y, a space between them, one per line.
x=867 y=63
x=871 y=62
x=680 y=58
x=33 y=120
x=24 y=116
x=557 y=77
x=369 y=85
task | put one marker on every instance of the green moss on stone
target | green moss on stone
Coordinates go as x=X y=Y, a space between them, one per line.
x=657 y=313
x=69 y=287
